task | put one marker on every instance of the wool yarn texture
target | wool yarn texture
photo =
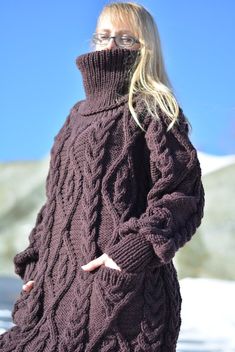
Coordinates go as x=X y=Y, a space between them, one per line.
x=111 y=188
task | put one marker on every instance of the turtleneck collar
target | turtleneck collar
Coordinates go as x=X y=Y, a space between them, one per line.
x=106 y=75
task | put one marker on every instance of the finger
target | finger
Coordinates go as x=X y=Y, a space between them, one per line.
x=30 y=282
x=28 y=285
x=27 y=288
x=93 y=264
x=109 y=262
x=90 y=266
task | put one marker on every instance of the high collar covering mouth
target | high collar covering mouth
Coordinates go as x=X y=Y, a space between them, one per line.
x=106 y=75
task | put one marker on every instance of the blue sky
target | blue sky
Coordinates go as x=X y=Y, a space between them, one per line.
x=40 y=82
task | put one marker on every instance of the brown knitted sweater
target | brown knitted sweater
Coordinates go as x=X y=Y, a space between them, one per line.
x=111 y=188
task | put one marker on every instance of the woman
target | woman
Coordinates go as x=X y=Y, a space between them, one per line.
x=124 y=193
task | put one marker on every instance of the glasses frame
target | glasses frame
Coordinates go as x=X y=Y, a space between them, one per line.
x=134 y=40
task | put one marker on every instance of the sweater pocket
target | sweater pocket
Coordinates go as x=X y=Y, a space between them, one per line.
x=27 y=309
x=116 y=308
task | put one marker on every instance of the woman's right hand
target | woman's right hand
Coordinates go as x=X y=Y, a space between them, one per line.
x=28 y=286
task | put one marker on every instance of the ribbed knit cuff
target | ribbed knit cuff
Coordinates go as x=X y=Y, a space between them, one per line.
x=23 y=259
x=132 y=253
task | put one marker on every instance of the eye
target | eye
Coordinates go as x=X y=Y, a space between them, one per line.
x=102 y=36
x=126 y=39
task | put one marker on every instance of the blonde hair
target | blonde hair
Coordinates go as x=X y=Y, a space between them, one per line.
x=149 y=77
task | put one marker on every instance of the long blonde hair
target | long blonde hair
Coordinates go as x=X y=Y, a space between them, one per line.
x=149 y=77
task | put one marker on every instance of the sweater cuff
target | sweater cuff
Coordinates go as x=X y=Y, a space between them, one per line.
x=132 y=253
x=23 y=259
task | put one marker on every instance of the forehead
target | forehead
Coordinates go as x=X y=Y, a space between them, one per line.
x=108 y=24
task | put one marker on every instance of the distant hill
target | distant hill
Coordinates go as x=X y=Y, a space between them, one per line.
x=210 y=253
x=22 y=192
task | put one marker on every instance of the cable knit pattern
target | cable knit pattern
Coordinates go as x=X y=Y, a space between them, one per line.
x=111 y=188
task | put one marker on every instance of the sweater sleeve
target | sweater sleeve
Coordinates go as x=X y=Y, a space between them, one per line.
x=175 y=201
x=25 y=262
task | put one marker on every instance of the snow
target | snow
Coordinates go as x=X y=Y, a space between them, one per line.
x=208 y=315
x=210 y=163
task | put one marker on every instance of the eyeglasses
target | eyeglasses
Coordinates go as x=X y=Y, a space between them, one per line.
x=122 y=41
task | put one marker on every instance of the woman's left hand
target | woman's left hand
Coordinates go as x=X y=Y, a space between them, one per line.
x=103 y=260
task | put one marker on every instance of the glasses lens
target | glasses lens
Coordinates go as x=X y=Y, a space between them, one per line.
x=124 y=41
x=100 y=39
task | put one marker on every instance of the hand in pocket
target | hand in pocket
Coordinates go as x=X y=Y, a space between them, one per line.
x=28 y=286
x=103 y=260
